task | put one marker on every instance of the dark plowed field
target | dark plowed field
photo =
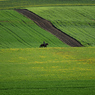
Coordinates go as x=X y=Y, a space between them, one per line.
x=50 y=28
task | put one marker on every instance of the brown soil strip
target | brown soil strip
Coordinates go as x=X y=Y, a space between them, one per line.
x=50 y=28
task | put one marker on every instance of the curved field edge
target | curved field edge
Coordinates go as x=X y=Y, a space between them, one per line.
x=76 y=21
x=11 y=4
x=47 y=70
x=17 y=31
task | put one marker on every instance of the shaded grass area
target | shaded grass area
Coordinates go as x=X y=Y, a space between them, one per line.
x=11 y=4
x=79 y=87
x=47 y=71
x=17 y=31
x=76 y=21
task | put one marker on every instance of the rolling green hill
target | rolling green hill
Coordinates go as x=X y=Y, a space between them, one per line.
x=17 y=31
x=76 y=21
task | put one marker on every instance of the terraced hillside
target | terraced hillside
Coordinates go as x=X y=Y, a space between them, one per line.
x=17 y=31
x=76 y=21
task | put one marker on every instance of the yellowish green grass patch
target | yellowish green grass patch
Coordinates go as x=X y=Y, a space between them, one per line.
x=47 y=71
x=57 y=63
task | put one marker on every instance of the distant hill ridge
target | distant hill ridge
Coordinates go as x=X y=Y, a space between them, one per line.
x=11 y=4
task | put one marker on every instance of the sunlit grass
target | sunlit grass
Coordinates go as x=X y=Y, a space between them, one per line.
x=47 y=70
x=55 y=63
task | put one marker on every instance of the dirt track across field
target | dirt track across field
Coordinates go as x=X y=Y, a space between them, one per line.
x=50 y=28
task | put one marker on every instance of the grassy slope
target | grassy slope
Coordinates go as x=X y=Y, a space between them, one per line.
x=76 y=21
x=48 y=71
x=26 y=3
x=17 y=31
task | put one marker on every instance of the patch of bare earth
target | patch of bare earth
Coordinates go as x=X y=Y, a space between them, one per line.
x=50 y=28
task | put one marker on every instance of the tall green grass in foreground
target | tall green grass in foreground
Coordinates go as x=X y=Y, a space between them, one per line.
x=47 y=71
x=11 y=4
x=76 y=21
x=17 y=31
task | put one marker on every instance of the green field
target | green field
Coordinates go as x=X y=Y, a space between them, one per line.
x=48 y=71
x=76 y=21
x=58 y=69
x=17 y=31
x=11 y=4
